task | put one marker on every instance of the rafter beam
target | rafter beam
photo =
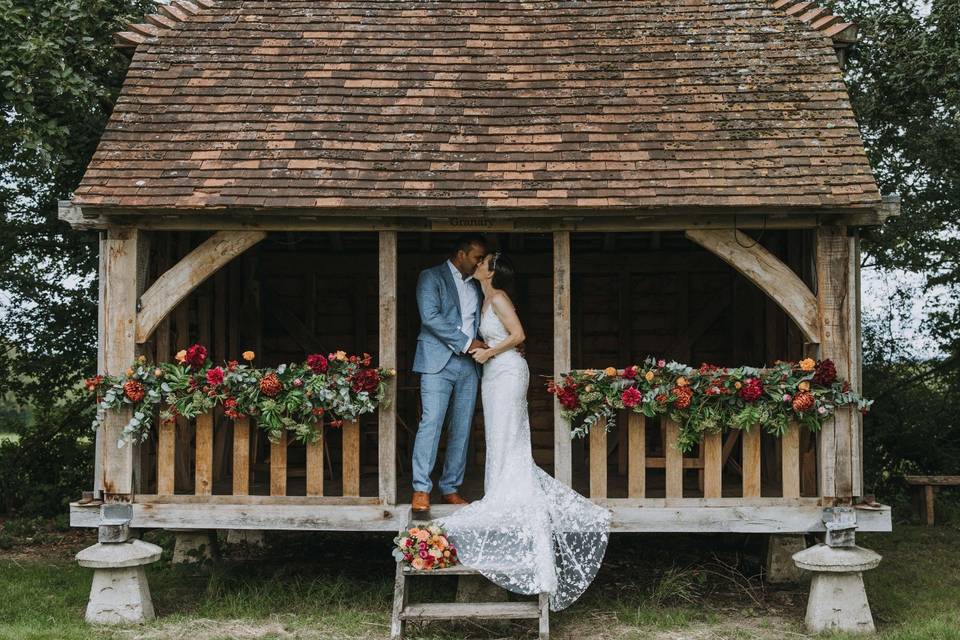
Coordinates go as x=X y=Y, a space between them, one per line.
x=767 y=271
x=185 y=276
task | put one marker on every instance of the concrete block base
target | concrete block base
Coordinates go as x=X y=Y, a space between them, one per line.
x=119 y=593
x=249 y=537
x=191 y=547
x=838 y=601
x=778 y=564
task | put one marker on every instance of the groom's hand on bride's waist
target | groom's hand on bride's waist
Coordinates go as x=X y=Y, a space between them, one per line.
x=477 y=344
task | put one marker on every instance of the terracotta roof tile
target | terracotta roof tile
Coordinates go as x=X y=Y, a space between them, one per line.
x=408 y=104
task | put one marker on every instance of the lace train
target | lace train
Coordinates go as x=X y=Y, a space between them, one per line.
x=530 y=533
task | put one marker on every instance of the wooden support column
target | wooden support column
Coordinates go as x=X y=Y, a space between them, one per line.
x=562 y=462
x=387 y=413
x=837 y=257
x=118 y=317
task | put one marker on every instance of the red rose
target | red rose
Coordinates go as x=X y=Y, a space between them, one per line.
x=629 y=373
x=366 y=380
x=215 y=376
x=751 y=390
x=825 y=373
x=232 y=365
x=196 y=356
x=568 y=398
x=631 y=397
x=317 y=363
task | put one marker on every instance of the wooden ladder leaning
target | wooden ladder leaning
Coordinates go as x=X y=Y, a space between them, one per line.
x=428 y=611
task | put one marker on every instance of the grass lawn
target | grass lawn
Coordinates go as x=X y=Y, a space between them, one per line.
x=340 y=586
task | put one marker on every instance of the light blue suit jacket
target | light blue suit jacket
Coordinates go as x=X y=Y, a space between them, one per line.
x=439 y=304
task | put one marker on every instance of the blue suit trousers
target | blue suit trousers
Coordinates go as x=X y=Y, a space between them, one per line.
x=448 y=397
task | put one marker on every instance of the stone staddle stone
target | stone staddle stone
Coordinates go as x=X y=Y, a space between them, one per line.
x=119 y=593
x=779 y=566
x=838 y=601
x=192 y=546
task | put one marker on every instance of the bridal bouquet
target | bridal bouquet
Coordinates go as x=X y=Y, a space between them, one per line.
x=425 y=548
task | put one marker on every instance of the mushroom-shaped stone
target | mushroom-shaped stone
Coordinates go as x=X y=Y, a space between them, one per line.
x=119 y=593
x=838 y=601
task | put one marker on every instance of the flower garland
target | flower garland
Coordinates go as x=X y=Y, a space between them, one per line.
x=291 y=397
x=710 y=399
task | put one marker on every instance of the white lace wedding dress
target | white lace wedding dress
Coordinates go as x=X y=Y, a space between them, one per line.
x=530 y=533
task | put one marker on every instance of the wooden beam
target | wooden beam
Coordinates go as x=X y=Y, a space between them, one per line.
x=562 y=461
x=636 y=460
x=350 y=432
x=241 y=456
x=177 y=283
x=387 y=412
x=837 y=285
x=119 y=318
x=674 y=459
x=598 y=459
x=299 y=514
x=766 y=271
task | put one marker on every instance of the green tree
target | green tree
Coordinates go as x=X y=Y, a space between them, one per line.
x=59 y=77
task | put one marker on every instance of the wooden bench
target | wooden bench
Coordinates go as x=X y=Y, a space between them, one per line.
x=428 y=611
x=924 y=487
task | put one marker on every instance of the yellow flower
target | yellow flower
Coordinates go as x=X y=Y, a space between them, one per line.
x=249 y=356
x=610 y=371
x=804 y=386
x=808 y=364
x=681 y=381
x=341 y=355
x=129 y=372
x=737 y=385
x=158 y=372
x=142 y=359
x=392 y=372
x=181 y=356
x=649 y=375
x=588 y=388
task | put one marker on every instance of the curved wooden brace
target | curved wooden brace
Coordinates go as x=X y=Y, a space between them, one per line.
x=177 y=282
x=765 y=270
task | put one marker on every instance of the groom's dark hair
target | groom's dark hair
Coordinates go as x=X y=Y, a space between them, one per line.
x=464 y=241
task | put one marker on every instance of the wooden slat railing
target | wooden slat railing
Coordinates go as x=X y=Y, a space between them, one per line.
x=244 y=436
x=716 y=452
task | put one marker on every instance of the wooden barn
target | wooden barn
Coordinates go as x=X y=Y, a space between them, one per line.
x=679 y=178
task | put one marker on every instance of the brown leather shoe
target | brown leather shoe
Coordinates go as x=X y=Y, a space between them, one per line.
x=421 y=501
x=454 y=498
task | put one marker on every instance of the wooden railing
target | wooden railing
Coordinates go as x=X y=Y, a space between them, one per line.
x=243 y=431
x=714 y=452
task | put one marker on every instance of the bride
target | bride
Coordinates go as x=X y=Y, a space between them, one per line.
x=530 y=533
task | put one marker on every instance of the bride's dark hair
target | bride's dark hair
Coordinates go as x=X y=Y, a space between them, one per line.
x=504 y=274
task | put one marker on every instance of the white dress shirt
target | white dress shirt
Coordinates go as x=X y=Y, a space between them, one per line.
x=468 y=304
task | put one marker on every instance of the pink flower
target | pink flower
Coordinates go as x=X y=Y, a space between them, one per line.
x=408 y=542
x=297 y=382
x=661 y=363
x=215 y=376
x=631 y=397
x=787 y=397
x=423 y=554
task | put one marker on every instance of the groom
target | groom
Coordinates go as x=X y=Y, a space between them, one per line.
x=449 y=300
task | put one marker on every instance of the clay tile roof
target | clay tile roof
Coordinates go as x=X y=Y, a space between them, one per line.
x=407 y=104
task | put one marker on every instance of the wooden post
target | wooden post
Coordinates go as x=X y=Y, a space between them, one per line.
x=673 y=459
x=166 y=452
x=751 y=462
x=790 y=461
x=241 y=456
x=598 y=459
x=315 y=463
x=118 y=317
x=562 y=462
x=637 y=456
x=837 y=285
x=712 y=465
x=203 y=473
x=278 y=466
x=387 y=413
x=351 y=457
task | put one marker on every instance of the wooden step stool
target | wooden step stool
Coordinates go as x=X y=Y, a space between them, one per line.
x=427 y=611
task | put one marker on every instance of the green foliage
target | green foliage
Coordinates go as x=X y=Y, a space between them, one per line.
x=904 y=83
